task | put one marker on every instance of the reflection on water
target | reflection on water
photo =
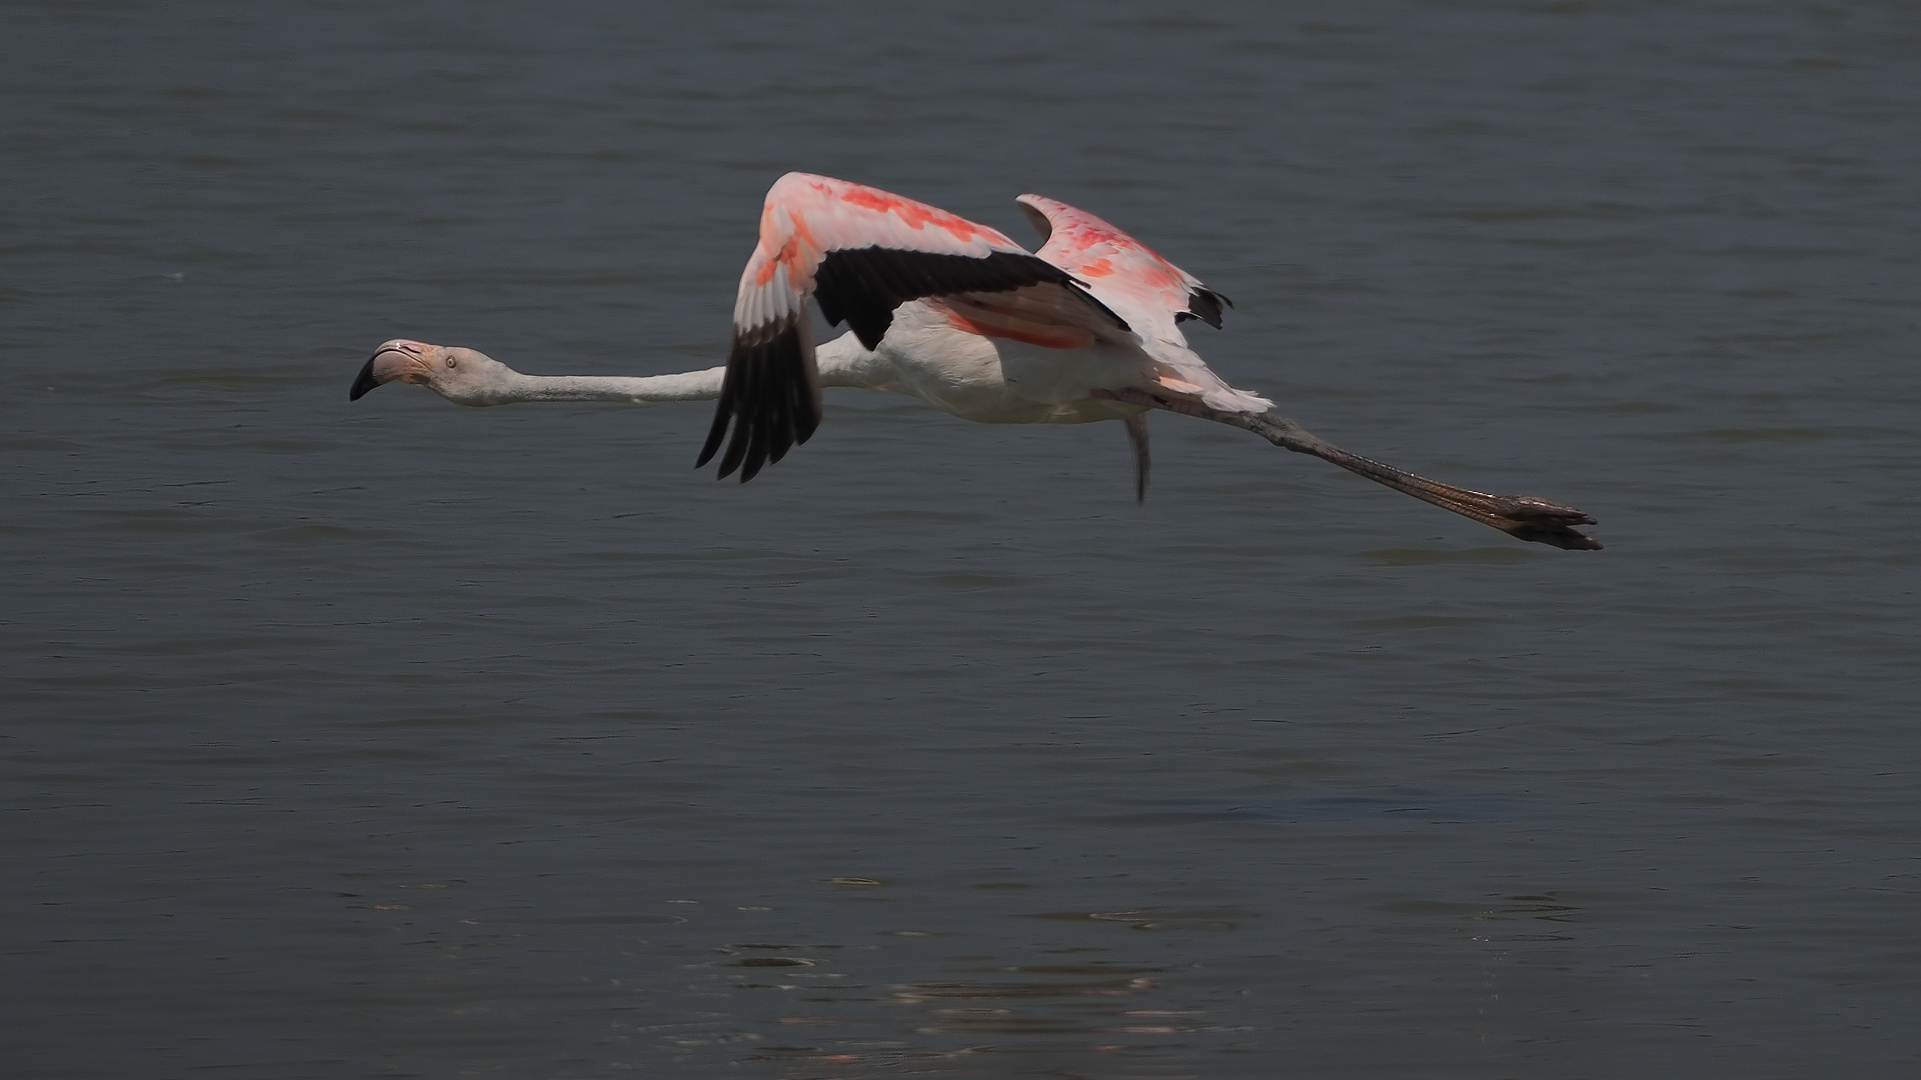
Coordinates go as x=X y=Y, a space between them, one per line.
x=1161 y=918
x=1016 y=1013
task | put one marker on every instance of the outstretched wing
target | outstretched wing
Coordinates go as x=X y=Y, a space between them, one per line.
x=861 y=253
x=1118 y=269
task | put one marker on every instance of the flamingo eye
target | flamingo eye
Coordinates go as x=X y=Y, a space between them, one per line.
x=451 y=362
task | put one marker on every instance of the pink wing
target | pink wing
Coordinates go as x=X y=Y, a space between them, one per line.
x=1117 y=268
x=1152 y=294
x=860 y=253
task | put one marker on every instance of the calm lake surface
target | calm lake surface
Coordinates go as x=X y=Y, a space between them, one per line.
x=397 y=739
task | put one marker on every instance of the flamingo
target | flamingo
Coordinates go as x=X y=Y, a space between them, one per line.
x=1086 y=329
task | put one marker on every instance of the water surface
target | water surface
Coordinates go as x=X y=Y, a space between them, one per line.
x=400 y=739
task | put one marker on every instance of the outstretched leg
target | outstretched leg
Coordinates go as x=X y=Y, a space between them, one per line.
x=1524 y=517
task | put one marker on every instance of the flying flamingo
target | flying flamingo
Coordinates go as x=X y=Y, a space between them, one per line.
x=958 y=315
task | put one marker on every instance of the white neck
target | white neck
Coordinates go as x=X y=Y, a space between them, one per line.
x=686 y=386
x=842 y=362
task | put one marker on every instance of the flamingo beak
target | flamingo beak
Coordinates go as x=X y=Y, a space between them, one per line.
x=397 y=359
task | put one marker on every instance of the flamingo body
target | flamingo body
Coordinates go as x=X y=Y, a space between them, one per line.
x=862 y=254
x=952 y=312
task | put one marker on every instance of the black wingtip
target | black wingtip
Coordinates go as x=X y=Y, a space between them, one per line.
x=722 y=413
x=770 y=398
x=736 y=450
x=1204 y=304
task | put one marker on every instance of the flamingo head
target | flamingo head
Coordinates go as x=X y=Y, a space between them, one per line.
x=460 y=375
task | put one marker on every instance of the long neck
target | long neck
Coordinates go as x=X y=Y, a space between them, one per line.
x=842 y=362
x=686 y=386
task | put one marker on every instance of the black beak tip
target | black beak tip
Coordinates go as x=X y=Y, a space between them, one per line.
x=364 y=381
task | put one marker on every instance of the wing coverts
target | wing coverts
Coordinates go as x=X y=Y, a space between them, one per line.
x=860 y=253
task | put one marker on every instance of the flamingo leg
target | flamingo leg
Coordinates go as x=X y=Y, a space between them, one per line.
x=1137 y=435
x=1524 y=517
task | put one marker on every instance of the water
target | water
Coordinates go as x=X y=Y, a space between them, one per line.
x=399 y=739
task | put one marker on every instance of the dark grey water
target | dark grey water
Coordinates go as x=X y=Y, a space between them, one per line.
x=399 y=739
